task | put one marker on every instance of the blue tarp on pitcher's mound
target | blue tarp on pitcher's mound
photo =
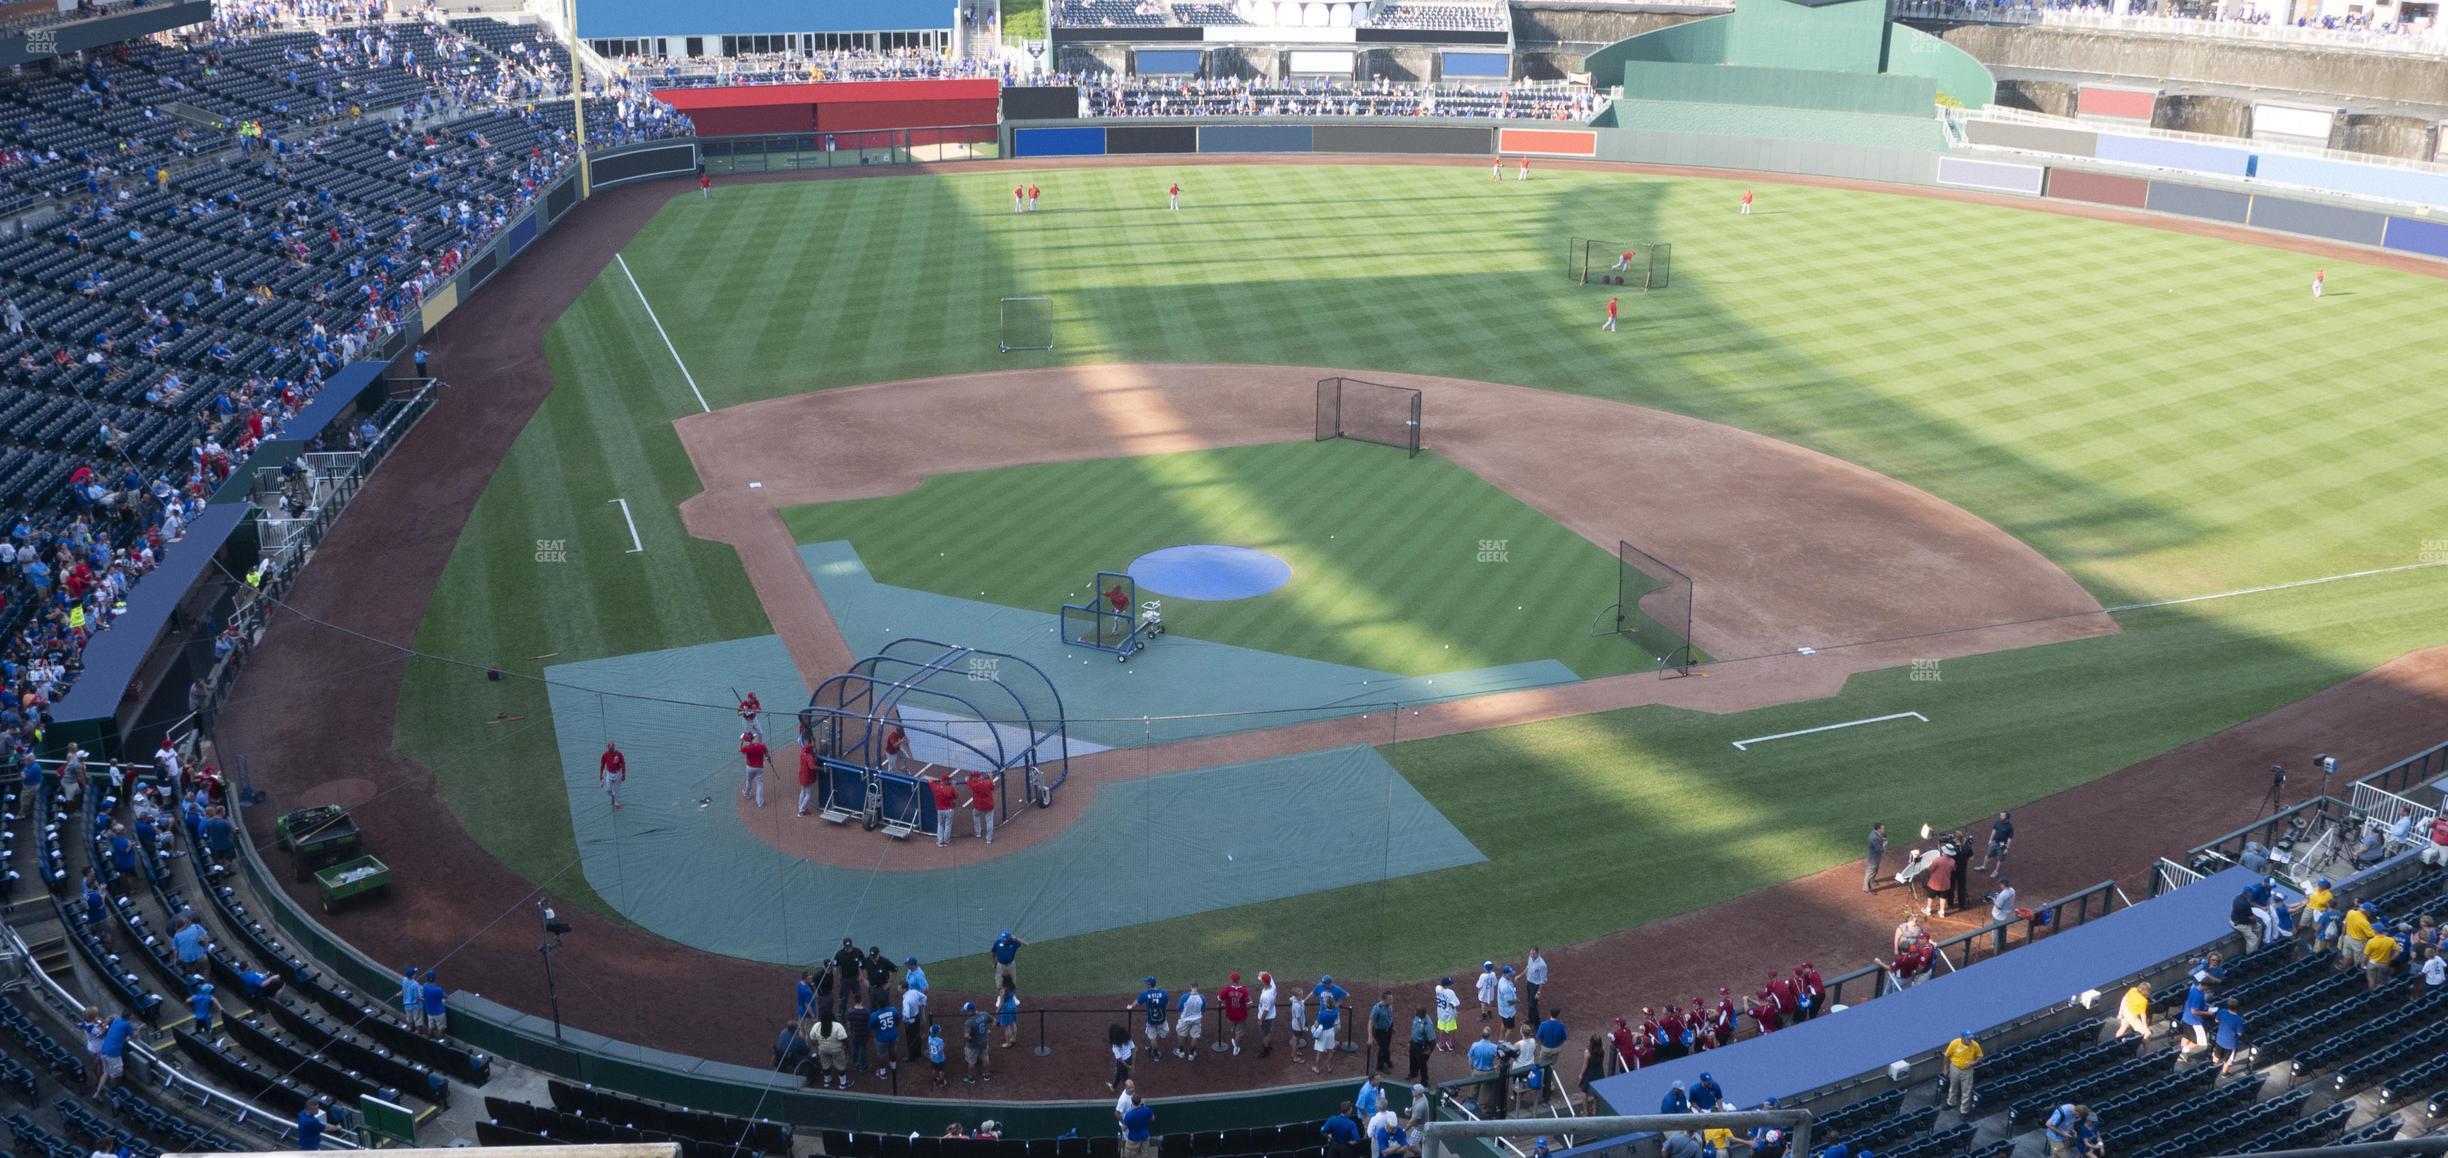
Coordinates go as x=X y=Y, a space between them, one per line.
x=678 y=860
x=1208 y=688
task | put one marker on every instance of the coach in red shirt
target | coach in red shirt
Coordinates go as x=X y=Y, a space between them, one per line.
x=982 y=806
x=947 y=800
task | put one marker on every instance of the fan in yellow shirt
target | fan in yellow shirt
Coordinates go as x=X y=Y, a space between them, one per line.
x=2133 y=1013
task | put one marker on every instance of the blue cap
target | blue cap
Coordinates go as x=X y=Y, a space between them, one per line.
x=910 y=961
x=1507 y=971
x=1327 y=979
x=2322 y=882
x=1966 y=1033
x=1007 y=932
x=968 y=1007
x=1704 y=1076
x=1151 y=982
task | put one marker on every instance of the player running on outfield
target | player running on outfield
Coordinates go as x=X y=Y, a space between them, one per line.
x=1623 y=261
x=1610 y=322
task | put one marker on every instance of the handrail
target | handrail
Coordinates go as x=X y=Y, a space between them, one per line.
x=242 y=1110
x=2418 y=769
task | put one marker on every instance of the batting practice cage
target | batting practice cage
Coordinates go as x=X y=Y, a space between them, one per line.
x=1653 y=608
x=1027 y=324
x=1631 y=264
x=921 y=710
x=1368 y=412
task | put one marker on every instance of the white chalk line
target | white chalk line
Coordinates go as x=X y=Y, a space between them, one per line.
x=2276 y=586
x=667 y=342
x=1745 y=745
x=634 y=545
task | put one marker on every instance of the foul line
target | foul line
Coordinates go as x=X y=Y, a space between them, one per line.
x=634 y=545
x=1744 y=745
x=2276 y=586
x=667 y=342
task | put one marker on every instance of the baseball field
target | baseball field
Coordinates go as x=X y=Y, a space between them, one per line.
x=2243 y=477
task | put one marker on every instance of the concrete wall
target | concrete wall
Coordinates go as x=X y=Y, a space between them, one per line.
x=1404 y=64
x=2038 y=96
x=2385 y=76
x=2411 y=138
x=1581 y=31
x=2215 y=116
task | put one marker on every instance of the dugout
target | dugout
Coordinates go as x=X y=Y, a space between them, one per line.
x=962 y=710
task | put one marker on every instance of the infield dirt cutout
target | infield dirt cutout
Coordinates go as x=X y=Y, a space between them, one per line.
x=1789 y=549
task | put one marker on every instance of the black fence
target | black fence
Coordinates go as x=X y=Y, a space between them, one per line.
x=1641 y=265
x=1368 y=412
x=1653 y=608
x=2413 y=772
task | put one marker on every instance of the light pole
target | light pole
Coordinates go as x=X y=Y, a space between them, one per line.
x=554 y=927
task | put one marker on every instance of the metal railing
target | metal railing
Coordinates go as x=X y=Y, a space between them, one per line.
x=2256 y=145
x=2416 y=771
x=237 y=1109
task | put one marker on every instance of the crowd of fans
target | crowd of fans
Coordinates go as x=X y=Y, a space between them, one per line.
x=1232 y=96
x=2238 y=19
x=229 y=357
x=810 y=68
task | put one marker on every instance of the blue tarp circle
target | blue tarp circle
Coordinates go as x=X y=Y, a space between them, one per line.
x=1209 y=571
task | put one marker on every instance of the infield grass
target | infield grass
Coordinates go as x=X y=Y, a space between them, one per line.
x=1411 y=566
x=2160 y=414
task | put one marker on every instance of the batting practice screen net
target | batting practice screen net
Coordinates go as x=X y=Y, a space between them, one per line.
x=1368 y=412
x=1645 y=265
x=1027 y=324
x=1653 y=608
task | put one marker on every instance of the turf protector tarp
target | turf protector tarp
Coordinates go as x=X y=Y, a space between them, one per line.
x=1194 y=687
x=1209 y=571
x=679 y=859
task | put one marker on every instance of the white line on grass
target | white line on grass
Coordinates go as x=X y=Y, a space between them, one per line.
x=667 y=342
x=1744 y=745
x=2276 y=586
x=634 y=545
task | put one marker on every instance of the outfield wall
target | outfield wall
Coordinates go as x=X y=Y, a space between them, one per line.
x=2189 y=179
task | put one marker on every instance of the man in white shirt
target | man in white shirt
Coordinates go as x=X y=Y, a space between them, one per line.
x=1266 y=1013
x=913 y=1020
x=1122 y=1105
x=1487 y=989
x=1534 y=978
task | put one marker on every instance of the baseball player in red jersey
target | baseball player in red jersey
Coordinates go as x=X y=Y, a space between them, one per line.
x=1234 y=1000
x=752 y=753
x=613 y=767
x=1173 y=196
x=751 y=715
x=1623 y=261
x=1610 y=322
x=807 y=778
x=705 y=185
x=946 y=802
x=1746 y=203
x=896 y=745
x=1496 y=170
x=1032 y=197
x=2320 y=281
x=1019 y=198
x=982 y=806
x=1522 y=173
x=1120 y=602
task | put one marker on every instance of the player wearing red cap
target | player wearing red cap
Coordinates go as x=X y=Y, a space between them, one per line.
x=1610 y=321
x=613 y=766
x=1234 y=1000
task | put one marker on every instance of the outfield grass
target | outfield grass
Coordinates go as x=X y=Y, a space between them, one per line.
x=2163 y=415
x=1388 y=564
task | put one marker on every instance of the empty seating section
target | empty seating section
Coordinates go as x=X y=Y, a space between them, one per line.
x=1440 y=17
x=1110 y=13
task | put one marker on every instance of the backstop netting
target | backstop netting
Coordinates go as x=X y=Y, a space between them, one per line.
x=1027 y=324
x=1646 y=265
x=1368 y=412
x=1653 y=608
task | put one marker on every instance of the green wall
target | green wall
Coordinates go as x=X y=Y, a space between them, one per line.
x=1912 y=52
x=1850 y=92
x=1849 y=36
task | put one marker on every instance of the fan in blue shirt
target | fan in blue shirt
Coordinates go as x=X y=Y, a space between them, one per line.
x=1340 y=1130
x=1153 y=999
x=1706 y=1094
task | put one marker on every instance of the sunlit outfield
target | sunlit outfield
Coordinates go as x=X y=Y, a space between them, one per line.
x=2162 y=415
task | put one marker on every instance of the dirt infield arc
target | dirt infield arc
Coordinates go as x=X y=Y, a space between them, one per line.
x=376 y=574
x=1790 y=548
